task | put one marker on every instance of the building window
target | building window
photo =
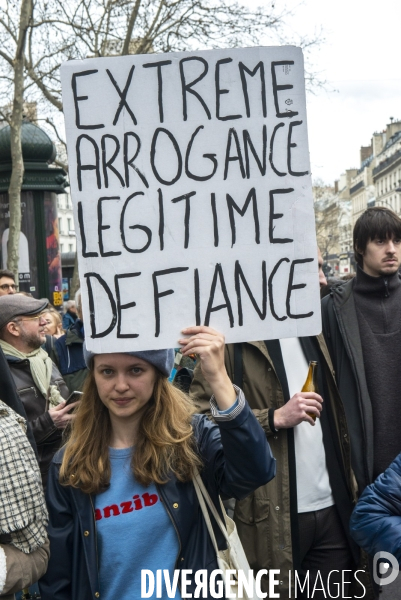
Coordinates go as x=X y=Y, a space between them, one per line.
x=70 y=248
x=60 y=225
x=69 y=224
x=61 y=248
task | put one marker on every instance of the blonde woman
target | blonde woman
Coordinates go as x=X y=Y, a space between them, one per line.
x=120 y=494
x=53 y=325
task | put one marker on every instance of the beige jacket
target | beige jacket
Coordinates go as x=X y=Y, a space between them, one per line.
x=19 y=570
x=263 y=518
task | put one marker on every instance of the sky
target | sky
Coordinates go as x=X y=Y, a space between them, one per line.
x=360 y=60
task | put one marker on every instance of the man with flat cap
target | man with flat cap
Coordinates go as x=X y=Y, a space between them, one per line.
x=39 y=384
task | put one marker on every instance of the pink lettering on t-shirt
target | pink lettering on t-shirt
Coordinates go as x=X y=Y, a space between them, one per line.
x=109 y=509
x=150 y=499
x=137 y=502
x=126 y=507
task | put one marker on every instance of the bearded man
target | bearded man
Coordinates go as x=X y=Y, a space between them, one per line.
x=39 y=384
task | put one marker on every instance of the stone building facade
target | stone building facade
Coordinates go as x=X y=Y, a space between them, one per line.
x=378 y=180
x=66 y=224
x=387 y=170
x=333 y=210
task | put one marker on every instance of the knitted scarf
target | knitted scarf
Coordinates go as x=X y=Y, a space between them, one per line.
x=23 y=513
x=41 y=368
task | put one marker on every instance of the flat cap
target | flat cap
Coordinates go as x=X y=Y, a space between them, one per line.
x=16 y=305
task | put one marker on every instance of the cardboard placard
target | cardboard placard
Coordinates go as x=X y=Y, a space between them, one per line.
x=192 y=196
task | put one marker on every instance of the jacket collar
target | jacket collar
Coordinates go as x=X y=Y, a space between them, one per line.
x=58 y=457
x=14 y=360
x=376 y=286
x=342 y=292
x=260 y=345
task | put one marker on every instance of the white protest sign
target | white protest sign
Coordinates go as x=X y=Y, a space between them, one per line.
x=192 y=196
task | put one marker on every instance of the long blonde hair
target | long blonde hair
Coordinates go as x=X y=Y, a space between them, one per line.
x=165 y=441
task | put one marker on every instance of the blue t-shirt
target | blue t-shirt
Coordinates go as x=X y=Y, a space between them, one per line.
x=134 y=532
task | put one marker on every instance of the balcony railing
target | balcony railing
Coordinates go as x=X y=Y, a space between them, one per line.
x=356 y=187
x=386 y=163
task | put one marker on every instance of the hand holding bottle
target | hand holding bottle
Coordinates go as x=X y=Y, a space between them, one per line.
x=298 y=409
x=303 y=406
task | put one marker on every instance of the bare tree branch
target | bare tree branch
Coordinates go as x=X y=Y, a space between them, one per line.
x=44 y=89
x=130 y=27
x=7 y=58
x=8 y=29
x=55 y=129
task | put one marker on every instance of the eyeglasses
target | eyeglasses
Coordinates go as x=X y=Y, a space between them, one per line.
x=8 y=286
x=35 y=318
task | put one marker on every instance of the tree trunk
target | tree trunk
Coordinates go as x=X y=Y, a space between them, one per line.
x=17 y=174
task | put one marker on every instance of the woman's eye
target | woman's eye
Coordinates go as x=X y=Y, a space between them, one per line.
x=107 y=371
x=137 y=370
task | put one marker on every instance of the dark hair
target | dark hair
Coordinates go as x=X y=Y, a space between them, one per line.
x=7 y=273
x=378 y=222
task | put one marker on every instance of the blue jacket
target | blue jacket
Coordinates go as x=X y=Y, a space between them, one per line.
x=68 y=320
x=237 y=460
x=68 y=354
x=376 y=521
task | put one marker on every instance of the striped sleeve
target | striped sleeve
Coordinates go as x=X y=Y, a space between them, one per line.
x=233 y=411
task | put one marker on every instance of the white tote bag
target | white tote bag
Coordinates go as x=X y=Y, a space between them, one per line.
x=234 y=557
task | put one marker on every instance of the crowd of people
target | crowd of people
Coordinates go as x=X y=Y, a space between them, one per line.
x=313 y=477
